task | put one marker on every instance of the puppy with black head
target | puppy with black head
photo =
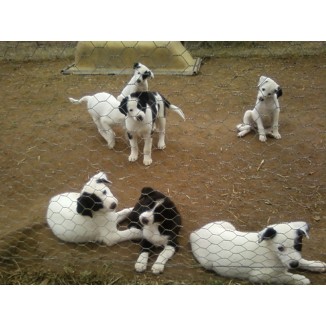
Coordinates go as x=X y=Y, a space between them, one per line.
x=158 y=218
x=144 y=112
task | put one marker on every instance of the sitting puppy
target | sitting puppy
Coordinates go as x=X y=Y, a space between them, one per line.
x=265 y=115
x=138 y=82
x=104 y=107
x=158 y=218
x=89 y=216
x=144 y=111
x=262 y=257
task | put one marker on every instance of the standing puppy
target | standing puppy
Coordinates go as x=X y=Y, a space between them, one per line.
x=138 y=82
x=104 y=107
x=260 y=257
x=144 y=111
x=158 y=218
x=265 y=115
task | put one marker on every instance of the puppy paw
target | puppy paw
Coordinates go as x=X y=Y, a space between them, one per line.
x=301 y=280
x=133 y=158
x=111 y=145
x=147 y=161
x=157 y=268
x=140 y=267
x=276 y=135
x=161 y=145
x=262 y=138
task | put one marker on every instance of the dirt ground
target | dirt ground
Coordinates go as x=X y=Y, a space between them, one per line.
x=49 y=146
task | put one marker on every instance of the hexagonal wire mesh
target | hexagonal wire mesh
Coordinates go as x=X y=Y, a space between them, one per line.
x=50 y=146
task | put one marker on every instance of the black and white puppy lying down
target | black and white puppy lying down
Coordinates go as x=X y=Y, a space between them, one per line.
x=144 y=112
x=158 y=218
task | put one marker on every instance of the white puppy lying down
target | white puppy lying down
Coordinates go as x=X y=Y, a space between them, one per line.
x=260 y=257
x=265 y=115
x=89 y=216
x=104 y=107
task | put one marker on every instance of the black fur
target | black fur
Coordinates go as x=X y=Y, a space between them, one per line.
x=136 y=65
x=88 y=203
x=123 y=106
x=144 y=99
x=103 y=181
x=279 y=92
x=270 y=233
x=166 y=215
x=298 y=241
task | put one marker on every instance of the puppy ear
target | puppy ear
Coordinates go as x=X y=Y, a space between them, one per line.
x=279 y=92
x=146 y=74
x=123 y=106
x=261 y=80
x=103 y=181
x=266 y=234
x=136 y=65
x=146 y=191
x=88 y=203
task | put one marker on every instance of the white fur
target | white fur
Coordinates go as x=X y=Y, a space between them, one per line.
x=218 y=246
x=104 y=107
x=104 y=110
x=265 y=115
x=138 y=82
x=69 y=226
x=141 y=124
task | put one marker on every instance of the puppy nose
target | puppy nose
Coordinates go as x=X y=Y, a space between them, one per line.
x=139 y=118
x=294 y=264
x=261 y=99
x=144 y=221
x=113 y=206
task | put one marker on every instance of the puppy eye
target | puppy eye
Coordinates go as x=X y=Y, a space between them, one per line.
x=281 y=248
x=263 y=89
x=131 y=110
x=104 y=192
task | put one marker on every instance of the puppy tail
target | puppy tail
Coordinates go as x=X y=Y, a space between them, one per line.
x=83 y=99
x=177 y=110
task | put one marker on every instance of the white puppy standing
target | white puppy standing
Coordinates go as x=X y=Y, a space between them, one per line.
x=89 y=216
x=265 y=115
x=260 y=257
x=104 y=107
x=144 y=112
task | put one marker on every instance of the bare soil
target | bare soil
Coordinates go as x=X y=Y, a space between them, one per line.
x=49 y=146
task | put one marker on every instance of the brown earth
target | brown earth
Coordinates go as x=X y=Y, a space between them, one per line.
x=49 y=146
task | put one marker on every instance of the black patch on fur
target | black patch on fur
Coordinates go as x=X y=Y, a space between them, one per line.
x=136 y=65
x=298 y=241
x=146 y=74
x=148 y=98
x=279 y=92
x=166 y=215
x=103 y=181
x=123 y=108
x=88 y=203
x=270 y=233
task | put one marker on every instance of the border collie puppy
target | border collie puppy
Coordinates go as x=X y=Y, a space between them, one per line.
x=144 y=112
x=158 y=218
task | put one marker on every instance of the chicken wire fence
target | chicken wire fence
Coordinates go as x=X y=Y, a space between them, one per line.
x=52 y=147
